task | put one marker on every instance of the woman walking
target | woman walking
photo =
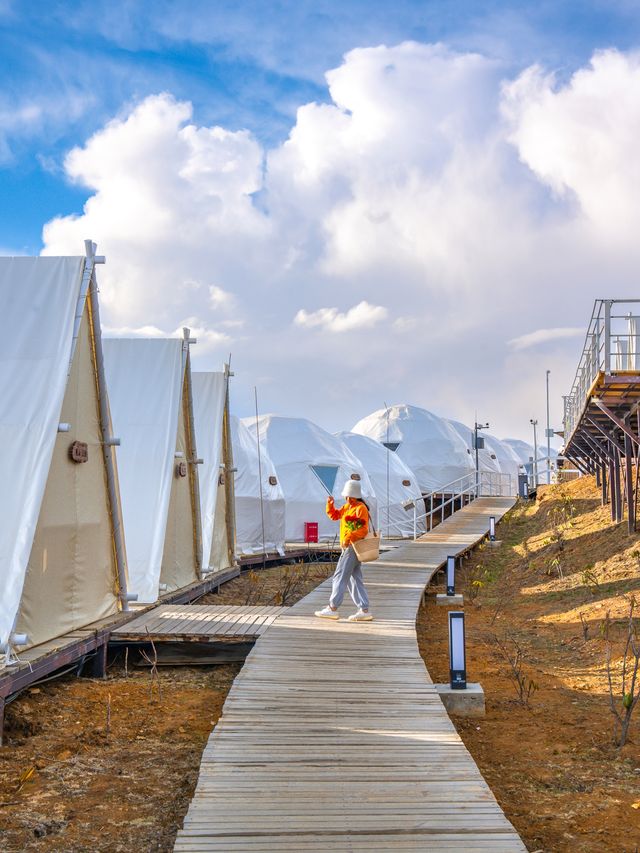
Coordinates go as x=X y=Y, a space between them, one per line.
x=354 y=525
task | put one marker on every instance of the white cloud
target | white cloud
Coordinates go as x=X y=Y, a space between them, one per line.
x=582 y=138
x=466 y=204
x=361 y=316
x=543 y=336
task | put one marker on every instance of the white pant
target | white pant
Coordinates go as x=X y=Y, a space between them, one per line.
x=349 y=571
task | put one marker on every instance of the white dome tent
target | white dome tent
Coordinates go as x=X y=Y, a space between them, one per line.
x=310 y=464
x=249 y=539
x=510 y=464
x=523 y=449
x=402 y=483
x=487 y=459
x=426 y=443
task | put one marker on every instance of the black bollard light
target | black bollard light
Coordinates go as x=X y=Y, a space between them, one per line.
x=457 y=656
x=451 y=575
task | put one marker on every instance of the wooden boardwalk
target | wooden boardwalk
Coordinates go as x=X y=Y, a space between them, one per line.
x=333 y=737
x=201 y=622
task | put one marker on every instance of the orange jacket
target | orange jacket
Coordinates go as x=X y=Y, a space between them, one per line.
x=354 y=521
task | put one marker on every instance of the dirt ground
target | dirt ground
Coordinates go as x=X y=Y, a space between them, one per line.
x=551 y=763
x=70 y=781
x=111 y=765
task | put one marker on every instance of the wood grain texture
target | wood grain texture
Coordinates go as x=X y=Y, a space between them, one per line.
x=201 y=622
x=333 y=737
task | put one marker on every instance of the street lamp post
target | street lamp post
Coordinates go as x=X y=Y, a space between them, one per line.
x=476 y=429
x=549 y=434
x=534 y=424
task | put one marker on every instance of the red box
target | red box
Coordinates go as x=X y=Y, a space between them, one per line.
x=311 y=531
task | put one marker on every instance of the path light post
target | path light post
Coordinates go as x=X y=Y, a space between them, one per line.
x=534 y=424
x=492 y=528
x=451 y=575
x=457 y=657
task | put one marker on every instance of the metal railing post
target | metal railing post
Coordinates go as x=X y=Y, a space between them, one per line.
x=607 y=336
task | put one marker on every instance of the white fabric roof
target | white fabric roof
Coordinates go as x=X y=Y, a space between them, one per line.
x=144 y=379
x=507 y=457
x=294 y=445
x=394 y=521
x=247 y=492
x=39 y=300
x=209 y=394
x=522 y=449
x=429 y=445
x=487 y=460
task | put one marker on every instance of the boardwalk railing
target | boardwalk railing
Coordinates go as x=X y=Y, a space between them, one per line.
x=458 y=493
x=612 y=345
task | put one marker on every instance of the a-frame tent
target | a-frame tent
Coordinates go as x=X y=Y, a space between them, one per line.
x=62 y=557
x=211 y=418
x=149 y=382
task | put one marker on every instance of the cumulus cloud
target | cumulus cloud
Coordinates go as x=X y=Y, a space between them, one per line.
x=361 y=316
x=465 y=203
x=543 y=336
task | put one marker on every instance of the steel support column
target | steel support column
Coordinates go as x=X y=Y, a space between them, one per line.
x=631 y=504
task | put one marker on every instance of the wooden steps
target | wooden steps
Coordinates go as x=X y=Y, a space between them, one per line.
x=333 y=736
x=199 y=622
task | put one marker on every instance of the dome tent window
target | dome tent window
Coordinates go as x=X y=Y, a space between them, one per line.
x=326 y=474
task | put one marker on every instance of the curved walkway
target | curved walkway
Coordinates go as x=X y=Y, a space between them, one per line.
x=333 y=737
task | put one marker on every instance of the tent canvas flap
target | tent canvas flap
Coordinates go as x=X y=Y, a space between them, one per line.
x=144 y=379
x=39 y=301
x=209 y=394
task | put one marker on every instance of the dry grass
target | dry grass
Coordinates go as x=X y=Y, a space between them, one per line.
x=552 y=762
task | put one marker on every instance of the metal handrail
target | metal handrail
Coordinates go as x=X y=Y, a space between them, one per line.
x=472 y=491
x=612 y=344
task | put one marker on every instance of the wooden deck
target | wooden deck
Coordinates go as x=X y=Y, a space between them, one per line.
x=200 y=622
x=334 y=738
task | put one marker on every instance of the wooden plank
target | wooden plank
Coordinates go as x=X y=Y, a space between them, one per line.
x=333 y=736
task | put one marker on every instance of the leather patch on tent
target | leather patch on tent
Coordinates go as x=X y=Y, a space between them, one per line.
x=355 y=476
x=273 y=481
x=79 y=451
x=181 y=469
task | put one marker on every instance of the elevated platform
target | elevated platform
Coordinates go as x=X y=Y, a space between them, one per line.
x=333 y=736
x=602 y=412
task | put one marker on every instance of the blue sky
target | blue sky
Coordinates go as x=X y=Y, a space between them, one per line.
x=69 y=67
x=442 y=184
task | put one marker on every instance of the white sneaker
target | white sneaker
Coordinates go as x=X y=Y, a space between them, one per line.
x=361 y=616
x=327 y=613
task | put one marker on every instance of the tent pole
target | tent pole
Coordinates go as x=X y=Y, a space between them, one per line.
x=192 y=453
x=227 y=458
x=108 y=442
x=264 y=546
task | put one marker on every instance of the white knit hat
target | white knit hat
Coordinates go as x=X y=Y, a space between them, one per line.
x=352 y=490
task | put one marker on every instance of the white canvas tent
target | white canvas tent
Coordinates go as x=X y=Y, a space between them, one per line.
x=62 y=560
x=394 y=491
x=487 y=459
x=310 y=463
x=149 y=391
x=250 y=473
x=209 y=404
x=426 y=443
